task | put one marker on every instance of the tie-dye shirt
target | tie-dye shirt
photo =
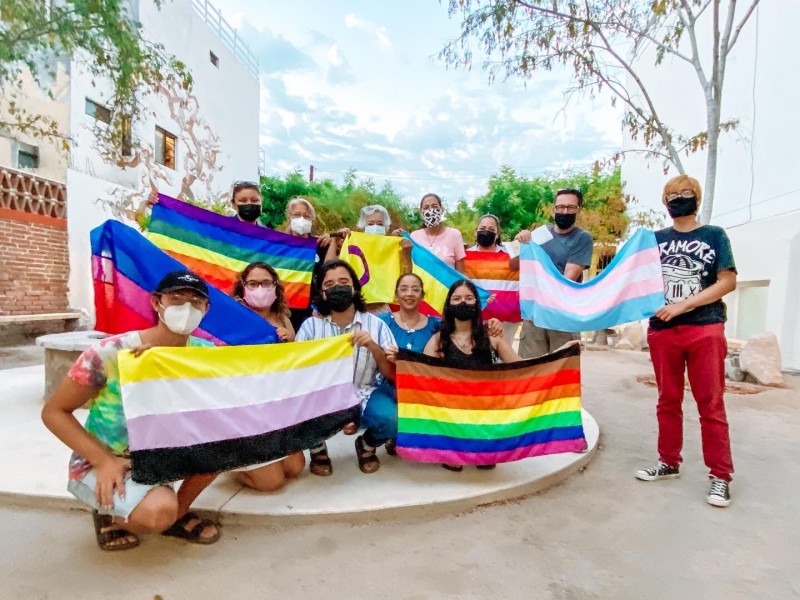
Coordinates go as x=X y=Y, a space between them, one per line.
x=98 y=368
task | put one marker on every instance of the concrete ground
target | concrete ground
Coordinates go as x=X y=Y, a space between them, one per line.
x=599 y=535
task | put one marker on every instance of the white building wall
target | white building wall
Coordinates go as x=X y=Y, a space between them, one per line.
x=757 y=197
x=216 y=125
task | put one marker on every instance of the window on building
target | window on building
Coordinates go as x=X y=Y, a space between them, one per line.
x=127 y=140
x=98 y=111
x=27 y=156
x=214 y=59
x=165 y=148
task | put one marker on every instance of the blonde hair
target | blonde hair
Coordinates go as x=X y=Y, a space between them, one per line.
x=680 y=183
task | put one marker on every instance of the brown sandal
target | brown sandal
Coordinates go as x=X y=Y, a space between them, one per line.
x=391 y=447
x=108 y=533
x=367 y=461
x=320 y=463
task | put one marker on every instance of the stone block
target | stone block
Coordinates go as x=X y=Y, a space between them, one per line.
x=761 y=359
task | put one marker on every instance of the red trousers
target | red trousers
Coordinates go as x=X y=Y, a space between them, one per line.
x=701 y=350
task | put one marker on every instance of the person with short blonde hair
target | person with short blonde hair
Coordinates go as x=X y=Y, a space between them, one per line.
x=688 y=335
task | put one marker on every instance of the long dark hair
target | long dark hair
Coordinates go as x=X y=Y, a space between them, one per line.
x=279 y=307
x=479 y=337
x=321 y=304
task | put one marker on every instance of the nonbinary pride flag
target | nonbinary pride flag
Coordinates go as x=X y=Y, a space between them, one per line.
x=218 y=248
x=437 y=277
x=629 y=289
x=206 y=410
x=491 y=414
x=490 y=271
x=126 y=269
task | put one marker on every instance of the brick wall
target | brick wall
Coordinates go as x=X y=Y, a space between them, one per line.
x=34 y=263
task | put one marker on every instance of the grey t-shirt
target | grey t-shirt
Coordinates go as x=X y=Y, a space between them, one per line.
x=573 y=247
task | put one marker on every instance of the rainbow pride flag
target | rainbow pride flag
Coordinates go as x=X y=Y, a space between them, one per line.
x=488 y=415
x=629 y=289
x=490 y=271
x=218 y=248
x=218 y=409
x=437 y=277
x=126 y=268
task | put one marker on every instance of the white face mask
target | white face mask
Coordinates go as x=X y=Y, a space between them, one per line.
x=301 y=225
x=182 y=319
x=376 y=229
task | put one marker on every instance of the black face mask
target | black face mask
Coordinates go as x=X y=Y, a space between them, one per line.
x=565 y=220
x=682 y=207
x=464 y=312
x=339 y=297
x=249 y=212
x=486 y=238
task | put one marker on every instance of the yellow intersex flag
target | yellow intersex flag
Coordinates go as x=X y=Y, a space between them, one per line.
x=377 y=260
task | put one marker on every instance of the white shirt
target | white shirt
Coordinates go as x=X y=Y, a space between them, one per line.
x=366 y=376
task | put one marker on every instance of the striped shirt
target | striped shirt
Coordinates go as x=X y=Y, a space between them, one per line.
x=366 y=376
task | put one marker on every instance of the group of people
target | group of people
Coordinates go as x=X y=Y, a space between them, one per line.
x=688 y=332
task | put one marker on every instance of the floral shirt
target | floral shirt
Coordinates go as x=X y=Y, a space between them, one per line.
x=98 y=368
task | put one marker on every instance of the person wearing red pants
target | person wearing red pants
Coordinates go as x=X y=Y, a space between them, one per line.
x=687 y=335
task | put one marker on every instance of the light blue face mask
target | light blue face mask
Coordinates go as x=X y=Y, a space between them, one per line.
x=376 y=229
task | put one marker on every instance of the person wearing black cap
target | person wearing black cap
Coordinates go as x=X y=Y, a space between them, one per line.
x=99 y=469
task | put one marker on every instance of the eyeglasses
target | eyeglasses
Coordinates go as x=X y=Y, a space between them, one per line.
x=178 y=299
x=254 y=285
x=566 y=208
x=683 y=194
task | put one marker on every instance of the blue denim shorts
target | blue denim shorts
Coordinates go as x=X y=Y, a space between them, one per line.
x=84 y=490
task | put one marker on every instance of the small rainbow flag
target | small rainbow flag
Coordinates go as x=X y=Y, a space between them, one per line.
x=207 y=410
x=437 y=277
x=218 y=248
x=631 y=288
x=490 y=271
x=488 y=415
x=126 y=268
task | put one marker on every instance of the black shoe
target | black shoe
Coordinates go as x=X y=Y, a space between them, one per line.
x=719 y=494
x=660 y=471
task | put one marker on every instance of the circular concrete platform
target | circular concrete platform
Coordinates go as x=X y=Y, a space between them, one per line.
x=399 y=488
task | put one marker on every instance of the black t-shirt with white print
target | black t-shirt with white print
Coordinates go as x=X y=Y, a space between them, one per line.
x=690 y=262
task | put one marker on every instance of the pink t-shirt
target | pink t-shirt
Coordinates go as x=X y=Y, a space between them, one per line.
x=447 y=245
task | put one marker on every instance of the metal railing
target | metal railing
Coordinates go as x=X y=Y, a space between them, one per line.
x=227 y=34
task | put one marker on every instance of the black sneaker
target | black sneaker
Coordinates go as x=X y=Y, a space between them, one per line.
x=660 y=471
x=719 y=494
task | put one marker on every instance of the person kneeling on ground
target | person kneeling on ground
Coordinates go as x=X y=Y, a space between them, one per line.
x=343 y=311
x=100 y=467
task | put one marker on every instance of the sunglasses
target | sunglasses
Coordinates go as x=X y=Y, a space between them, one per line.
x=238 y=185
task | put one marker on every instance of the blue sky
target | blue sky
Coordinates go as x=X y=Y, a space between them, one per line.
x=350 y=84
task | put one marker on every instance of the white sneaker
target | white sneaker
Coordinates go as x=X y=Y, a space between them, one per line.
x=719 y=494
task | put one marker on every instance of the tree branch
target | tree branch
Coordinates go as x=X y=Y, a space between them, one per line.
x=741 y=25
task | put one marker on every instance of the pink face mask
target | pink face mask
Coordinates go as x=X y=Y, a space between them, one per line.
x=260 y=297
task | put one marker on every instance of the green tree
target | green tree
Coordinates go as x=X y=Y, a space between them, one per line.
x=604 y=42
x=521 y=202
x=336 y=207
x=101 y=37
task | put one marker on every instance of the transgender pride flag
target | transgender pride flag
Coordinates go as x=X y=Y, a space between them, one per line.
x=629 y=289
